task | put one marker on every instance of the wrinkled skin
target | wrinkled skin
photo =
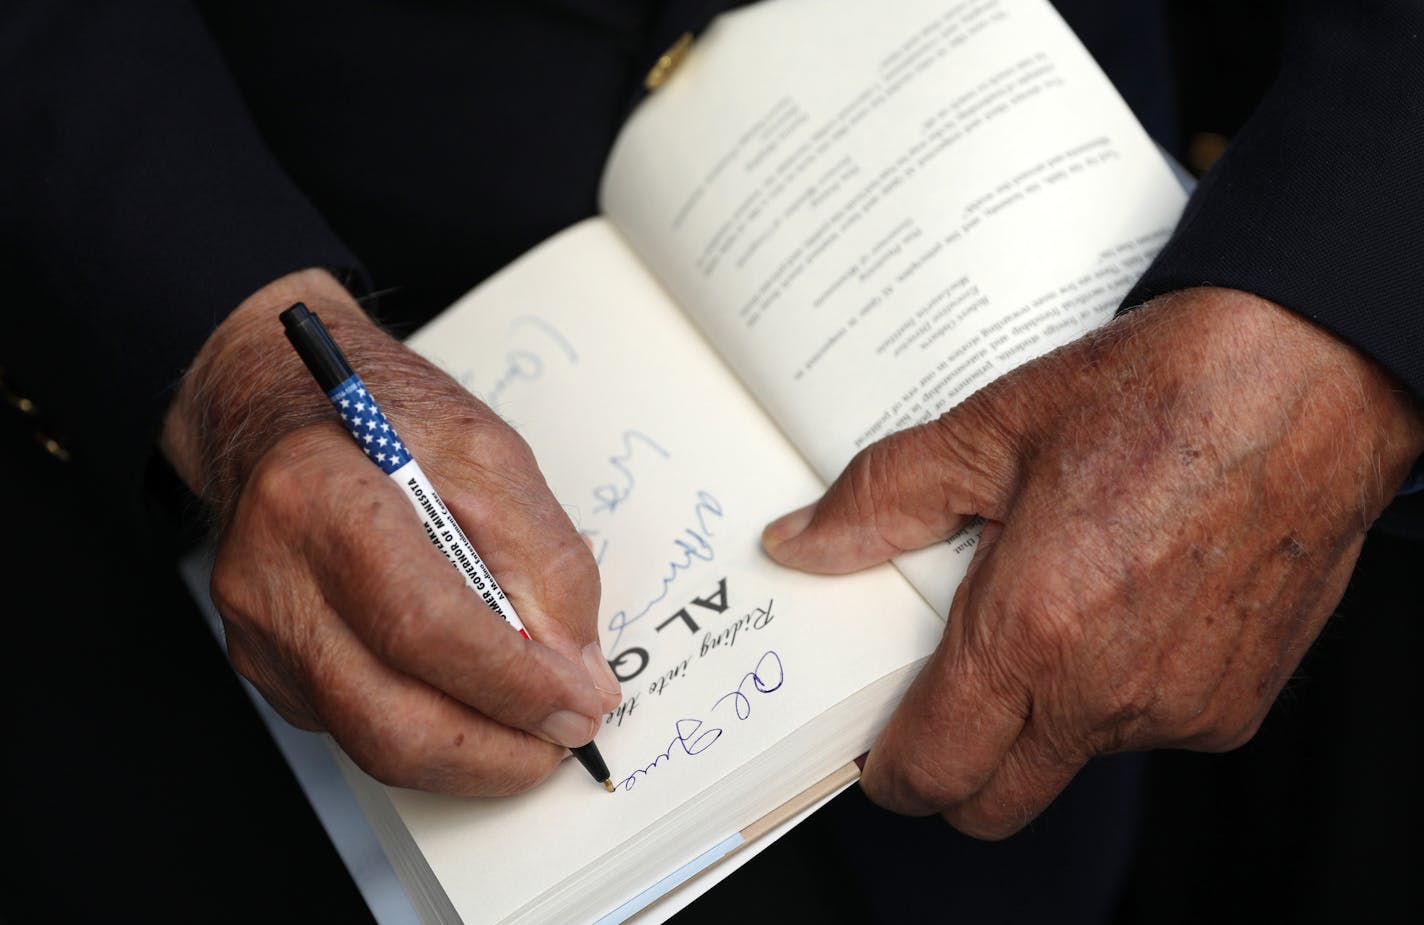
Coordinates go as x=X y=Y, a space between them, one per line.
x=335 y=605
x=1174 y=505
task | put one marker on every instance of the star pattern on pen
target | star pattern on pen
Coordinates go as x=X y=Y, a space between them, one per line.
x=369 y=426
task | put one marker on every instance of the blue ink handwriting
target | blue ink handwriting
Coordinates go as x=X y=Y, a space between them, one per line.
x=526 y=363
x=690 y=738
x=613 y=493
x=693 y=545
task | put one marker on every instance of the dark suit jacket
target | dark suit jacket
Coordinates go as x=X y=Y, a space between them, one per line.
x=159 y=162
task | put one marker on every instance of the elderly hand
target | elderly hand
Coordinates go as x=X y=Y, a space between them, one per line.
x=336 y=606
x=1174 y=505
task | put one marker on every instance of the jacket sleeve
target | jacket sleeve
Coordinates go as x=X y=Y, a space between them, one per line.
x=138 y=205
x=1318 y=204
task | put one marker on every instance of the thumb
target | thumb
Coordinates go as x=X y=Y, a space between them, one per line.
x=909 y=490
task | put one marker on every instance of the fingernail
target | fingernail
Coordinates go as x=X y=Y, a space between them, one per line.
x=600 y=671
x=568 y=728
x=788 y=526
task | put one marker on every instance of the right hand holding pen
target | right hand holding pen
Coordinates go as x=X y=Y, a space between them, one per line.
x=335 y=605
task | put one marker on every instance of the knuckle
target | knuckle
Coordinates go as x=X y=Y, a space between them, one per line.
x=861 y=488
x=1042 y=627
x=470 y=419
x=275 y=484
x=1052 y=635
x=401 y=631
x=328 y=678
x=228 y=589
x=1122 y=711
x=1224 y=733
x=877 y=485
x=235 y=586
x=974 y=440
x=949 y=433
x=387 y=765
x=1025 y=783
x=1181 y=707
x=1180 y=719
x=257 y=659
x=239 y=655
x=881 y=490
x=925 y=779
x=492 y=454
x=570 y=581
x=388 y=748
x=1210 y=720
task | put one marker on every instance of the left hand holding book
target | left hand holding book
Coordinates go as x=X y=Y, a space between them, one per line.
x=334 y=605
x=1154 y=565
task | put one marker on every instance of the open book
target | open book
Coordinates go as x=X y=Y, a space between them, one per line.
x=836 y=219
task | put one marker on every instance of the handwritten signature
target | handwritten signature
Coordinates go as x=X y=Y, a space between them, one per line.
x=525 y=364
x=689 y=735
x=693 y=545
x=613 y=493
x=609 y=495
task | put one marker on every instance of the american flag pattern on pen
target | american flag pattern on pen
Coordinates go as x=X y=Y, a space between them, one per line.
x=375 y=435
x=368 y=425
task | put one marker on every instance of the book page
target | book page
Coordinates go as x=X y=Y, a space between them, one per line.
x=742 y=682
x=873 y=210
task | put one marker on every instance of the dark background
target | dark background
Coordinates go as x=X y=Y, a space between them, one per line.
x=139 y=784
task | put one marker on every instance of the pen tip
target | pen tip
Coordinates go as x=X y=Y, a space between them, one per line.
x=608 y=785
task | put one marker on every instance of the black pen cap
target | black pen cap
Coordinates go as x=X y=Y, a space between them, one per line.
x=315 y=347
